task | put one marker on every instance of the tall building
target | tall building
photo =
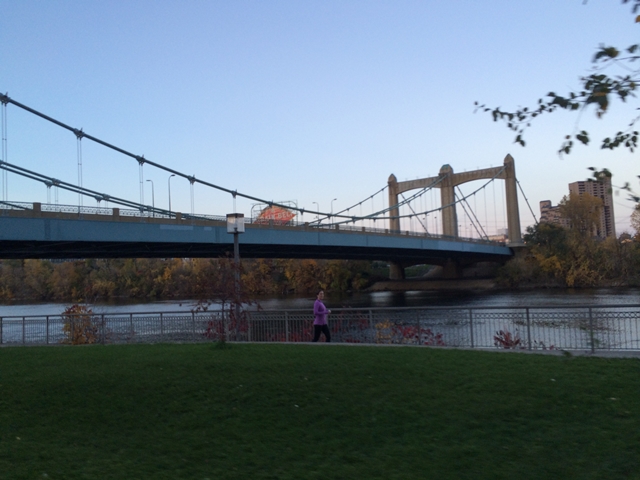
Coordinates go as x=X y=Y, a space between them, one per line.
x=601 y=190
x=551 y=214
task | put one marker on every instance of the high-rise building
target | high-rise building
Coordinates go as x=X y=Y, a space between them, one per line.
x=600 y=189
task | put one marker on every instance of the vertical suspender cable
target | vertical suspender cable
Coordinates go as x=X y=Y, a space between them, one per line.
x=141 y=178
x=192 y=180
x=79 y=148
x=486 y=215
x=372 y=221
x=495 y=209
x=5 y=184
x=504 y=206
x=475 y=207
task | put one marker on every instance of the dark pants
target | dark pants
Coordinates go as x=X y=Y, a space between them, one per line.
x=317 y=329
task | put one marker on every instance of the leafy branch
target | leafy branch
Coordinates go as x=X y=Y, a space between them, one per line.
x=597 y=89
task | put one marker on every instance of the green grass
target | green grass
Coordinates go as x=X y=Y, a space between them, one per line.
x=314 y=411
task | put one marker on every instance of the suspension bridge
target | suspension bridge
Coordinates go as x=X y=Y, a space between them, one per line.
x=405 y=231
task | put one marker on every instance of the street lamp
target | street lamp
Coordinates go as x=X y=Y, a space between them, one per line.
x=169 y=182
x=235 y=225
x=153 y=198
x=317 y=209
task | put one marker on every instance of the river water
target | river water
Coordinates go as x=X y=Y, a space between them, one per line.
x=507 y=298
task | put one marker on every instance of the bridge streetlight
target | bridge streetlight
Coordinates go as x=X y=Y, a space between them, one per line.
x=153 y=198
x=169 y=182
x=332 y=210
x=235 y=225
x=317 y=209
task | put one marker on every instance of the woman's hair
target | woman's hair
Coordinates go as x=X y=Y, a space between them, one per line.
x=320 y=291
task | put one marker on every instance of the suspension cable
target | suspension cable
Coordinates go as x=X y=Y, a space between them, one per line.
x=471 y=219
x=527 y=200
x=416 y=216
x=498 y=173
x=3 y=151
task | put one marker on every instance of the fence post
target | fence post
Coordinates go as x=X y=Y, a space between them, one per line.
x=419 y=329
x=161 y=327
x=0 y=330
x=193 y=324
x=23 y=332
x=371 y=324
x=248 y=326
x=286 y=325
x=47 y=330
x=131 y=326
x=593 y=344
x=528 y=329
x=471 y=327
x=104 y=333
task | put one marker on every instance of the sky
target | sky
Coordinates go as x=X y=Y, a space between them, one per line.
x=312 y=102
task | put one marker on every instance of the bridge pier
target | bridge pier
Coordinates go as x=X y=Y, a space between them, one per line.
x=451 y=269
x=396 y=271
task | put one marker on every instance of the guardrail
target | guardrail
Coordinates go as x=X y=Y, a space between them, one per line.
x=528 y=328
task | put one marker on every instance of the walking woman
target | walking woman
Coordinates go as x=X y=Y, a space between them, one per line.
x=320 y=323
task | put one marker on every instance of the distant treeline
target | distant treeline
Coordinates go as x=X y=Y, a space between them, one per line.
x=87 y=280
x=569 y=257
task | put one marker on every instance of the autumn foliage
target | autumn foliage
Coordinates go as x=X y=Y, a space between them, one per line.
x=79 y=326
x=86 y=280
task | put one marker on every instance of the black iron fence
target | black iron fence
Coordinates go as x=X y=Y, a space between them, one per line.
x=531 y=328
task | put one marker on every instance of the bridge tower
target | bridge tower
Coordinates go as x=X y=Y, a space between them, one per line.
x=447 y=180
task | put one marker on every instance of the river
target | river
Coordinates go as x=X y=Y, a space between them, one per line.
x=506 y=298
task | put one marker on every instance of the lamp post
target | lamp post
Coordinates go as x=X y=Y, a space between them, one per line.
x=332 y=210
x=318 y=209
x=153 y=198
x=169 y=182
x=235 y=225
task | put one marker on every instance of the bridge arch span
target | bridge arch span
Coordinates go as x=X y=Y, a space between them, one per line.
x=446 y=181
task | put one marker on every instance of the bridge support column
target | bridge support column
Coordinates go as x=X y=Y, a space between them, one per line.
x=511 y=191
x=451 y=269
x=396 y=271
x=447 y=203
x=394 y=221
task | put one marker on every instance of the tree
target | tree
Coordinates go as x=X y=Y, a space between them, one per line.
x=635 y=220
x=598 y=89
x=582 y=213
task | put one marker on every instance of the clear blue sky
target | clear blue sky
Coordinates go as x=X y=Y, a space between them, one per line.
x=303 y=100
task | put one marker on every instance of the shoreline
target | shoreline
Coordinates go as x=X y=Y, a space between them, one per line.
x=485 y=284
x=426 y=285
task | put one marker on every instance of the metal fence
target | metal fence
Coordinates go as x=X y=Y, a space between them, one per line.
x=528 y=328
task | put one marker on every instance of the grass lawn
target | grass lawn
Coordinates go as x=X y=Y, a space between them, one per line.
x=314 y=411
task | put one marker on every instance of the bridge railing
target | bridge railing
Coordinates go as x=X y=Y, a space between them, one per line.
x=151 y=213
x=589 y=328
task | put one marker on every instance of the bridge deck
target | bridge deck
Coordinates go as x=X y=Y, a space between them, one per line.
x=33 y=233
